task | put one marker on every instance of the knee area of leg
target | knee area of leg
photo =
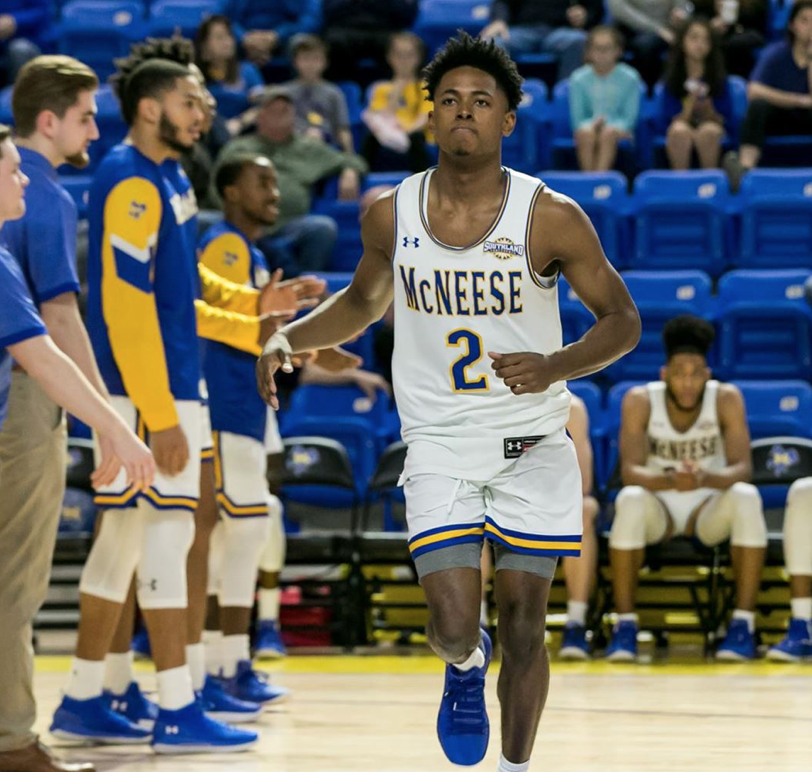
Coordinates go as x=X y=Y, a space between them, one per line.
x=456 y=636
x=630 y=503
x=679 y=129
x=590 y=510
x=250 y=534
x=520 y=635
x=169 y=533
x=749 y=527
x=747 y=497
x=800 y=492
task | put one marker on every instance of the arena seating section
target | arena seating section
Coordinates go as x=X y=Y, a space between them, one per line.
x=682 y=240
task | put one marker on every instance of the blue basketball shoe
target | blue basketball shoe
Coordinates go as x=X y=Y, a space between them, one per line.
x=134 y=706
x=623 y=646
x=796 y=646
x=573 y=643
x=190 y=730
x=92 y=720
x=140 y=644
x=269 y=641
x=251 y=686
x=221 y=706
x=462 y=723
x=739 y=643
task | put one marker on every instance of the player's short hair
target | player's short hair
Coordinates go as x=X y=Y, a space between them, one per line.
x=687 y=334
x=5 y=133
x=230 y=170
x=466 y=51
x=52 y=83
x=153 y=78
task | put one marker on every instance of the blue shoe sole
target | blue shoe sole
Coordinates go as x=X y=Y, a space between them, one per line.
x=64 y=734
x=234 y=718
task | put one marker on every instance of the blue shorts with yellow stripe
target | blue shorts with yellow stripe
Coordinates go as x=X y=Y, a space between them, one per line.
x=531 y=512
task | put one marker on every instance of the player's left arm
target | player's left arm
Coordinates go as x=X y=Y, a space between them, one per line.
x=562 y=237
x=736 y=436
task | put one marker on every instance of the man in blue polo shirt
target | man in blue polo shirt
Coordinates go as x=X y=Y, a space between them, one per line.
x=23 y=579
x=779 y=91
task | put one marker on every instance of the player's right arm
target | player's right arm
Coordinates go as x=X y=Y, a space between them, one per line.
x=634 y=443
x=132 y=219
x=347 y=313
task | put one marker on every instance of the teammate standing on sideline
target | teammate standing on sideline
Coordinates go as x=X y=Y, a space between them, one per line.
x=143 y=286
x=471 y=252
x=685 y=456
x=24 y=337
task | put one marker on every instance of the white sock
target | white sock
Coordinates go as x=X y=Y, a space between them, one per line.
x=268 y=609
x=118 y=672
x=477 y=659
x=801 y=608
x=749 y=616
x=213 y=644
x=86 y=679
x=507 y=766
x=234 y=649
x=483 y=613
x=576 y=612
x=175 y=688
x=196 y=658
x=629 y=617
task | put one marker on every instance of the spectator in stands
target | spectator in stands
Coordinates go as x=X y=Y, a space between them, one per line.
x=300 y=163
x=555 y=27
x=648 y=26
x=779 y=93
x=741 y=25
x=24 y=27
x=685 y=463
x=264 y=28
x=604 y=101
x=321 y=107
x=398 y=112
x=696 y=103
x=360 y=29
x=227 y=78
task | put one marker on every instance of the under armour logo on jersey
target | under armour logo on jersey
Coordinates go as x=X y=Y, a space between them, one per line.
x=415 y=242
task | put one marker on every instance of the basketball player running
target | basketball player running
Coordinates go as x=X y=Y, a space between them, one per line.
x=471 y=253
x=685 y=461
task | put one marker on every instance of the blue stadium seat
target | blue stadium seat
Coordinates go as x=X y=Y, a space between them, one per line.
x=576 y=319
x=374 y=179
x=355 y=435
x=439 y=20
x=563 y=138
x=353 y=97
x=312 y=400
x=660 y=296
x=526 y=146
x=593 y=401
x=336 y=280
x=112 y=128
x=6 y=115
x=98 y=31
x=614 y=403
x=764 y=325
x=778 y=408
x=681 y=220
x=79 y=188
x=168 y=16
x=230 y=104
x=348 y=247
x=604 y=197
x=776 y=219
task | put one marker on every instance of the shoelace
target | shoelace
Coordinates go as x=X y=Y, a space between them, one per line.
x=468 y=699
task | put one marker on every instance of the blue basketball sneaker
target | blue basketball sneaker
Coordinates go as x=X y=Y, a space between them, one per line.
x=251 y=686
x=269 y=641
x=573 y=643
x=140 y=644
x=134 y=706
x=623 y=646
x=92 y=720
x=739 y=643
x=462 y=723
x=796 y=646
x=221 y=706
x=190 y=730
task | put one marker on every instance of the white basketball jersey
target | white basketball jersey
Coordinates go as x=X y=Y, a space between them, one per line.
x=702 y=444
x=452 y=306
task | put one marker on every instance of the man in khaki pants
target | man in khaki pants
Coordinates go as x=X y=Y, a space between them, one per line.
x=54 y=109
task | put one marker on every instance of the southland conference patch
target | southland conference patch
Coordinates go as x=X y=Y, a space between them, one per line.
x=503 y=249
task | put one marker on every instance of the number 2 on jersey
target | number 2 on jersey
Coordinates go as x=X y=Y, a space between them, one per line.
x=473 y=353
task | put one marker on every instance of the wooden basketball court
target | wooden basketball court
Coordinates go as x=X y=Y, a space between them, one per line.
x=377 y=714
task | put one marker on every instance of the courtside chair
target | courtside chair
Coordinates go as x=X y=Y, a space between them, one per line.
x=593 y=400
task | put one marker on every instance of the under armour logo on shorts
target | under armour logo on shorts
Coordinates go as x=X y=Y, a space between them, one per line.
x=415 y=242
